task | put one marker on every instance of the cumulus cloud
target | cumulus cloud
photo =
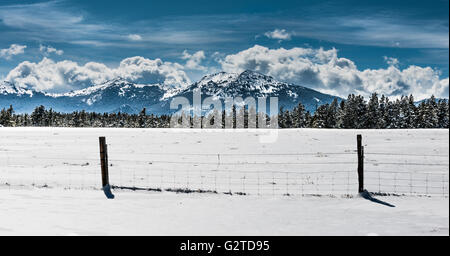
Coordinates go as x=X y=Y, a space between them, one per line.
x=320 y=69
x=323 y=70
x=134 y=37
x=280 y=34
x=14 y=49
x=147 y=71
x=50 y=76
x=193 y=61
x=46 y=50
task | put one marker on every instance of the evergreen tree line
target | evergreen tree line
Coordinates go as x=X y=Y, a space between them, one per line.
x=42 y=117
x=353 y=113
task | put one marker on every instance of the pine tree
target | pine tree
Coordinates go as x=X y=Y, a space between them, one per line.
x=142 y=118
x=6 y=117
x=373 y=112
x=410 y=115
x=298 y=116
x=38 y=116
x=281 y=118
x=320 y=117
x=331 y=119
x=340 y=115
x=354 y=113
x=361 y=113
x=431 y=119
x=390 y=118
x=308 y=119
x=381 y=122
x=443 y=115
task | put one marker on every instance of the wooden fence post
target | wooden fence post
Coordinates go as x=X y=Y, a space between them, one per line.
x=104 y=161
x=104 y=165
x=360 y=150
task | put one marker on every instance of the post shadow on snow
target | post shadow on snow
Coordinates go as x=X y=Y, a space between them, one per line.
x=108 y=192
x=367 y=195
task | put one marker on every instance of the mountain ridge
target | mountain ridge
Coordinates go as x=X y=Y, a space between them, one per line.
x=119 y=94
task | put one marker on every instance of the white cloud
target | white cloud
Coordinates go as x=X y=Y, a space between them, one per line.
x=14 y=49
x=147 y=71
x=50 y=76
x=323 y=70
x=193 y=61
x=46 y=50
x=319 y=69
x=134 y=37
x=391 y=61
x=279 y=34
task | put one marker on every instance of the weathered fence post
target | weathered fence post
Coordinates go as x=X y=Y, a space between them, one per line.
x=360 y=150
x=104 y=161
x=104 y=166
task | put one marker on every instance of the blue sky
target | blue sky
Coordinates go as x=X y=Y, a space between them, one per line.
x=372 y=35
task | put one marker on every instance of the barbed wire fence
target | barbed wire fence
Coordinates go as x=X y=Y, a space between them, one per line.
x=264 y=174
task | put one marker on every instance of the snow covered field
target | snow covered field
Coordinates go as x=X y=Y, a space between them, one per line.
x=304 y=183
x=87 y=212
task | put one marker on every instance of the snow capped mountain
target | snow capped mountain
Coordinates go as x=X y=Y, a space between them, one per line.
x=113 y=94
x=222 y=79
x=120 y=95
x=253 y=84
x=231 y=84
x=8 y=88
x=21 y=98
x=119 y=84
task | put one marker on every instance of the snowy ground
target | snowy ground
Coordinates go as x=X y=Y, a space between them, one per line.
x=87 y=212
x=49 y=180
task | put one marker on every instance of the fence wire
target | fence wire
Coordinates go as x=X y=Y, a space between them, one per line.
x=51 y=164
